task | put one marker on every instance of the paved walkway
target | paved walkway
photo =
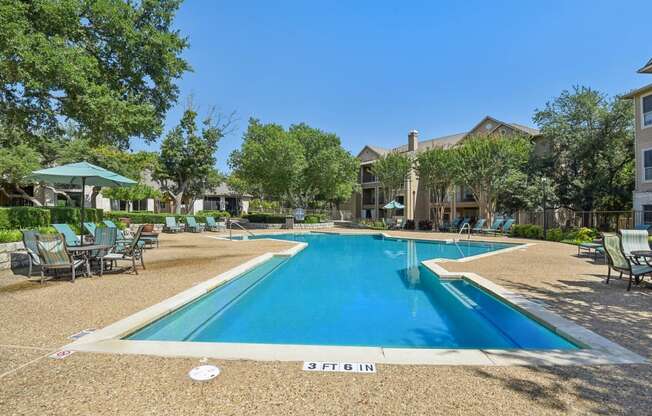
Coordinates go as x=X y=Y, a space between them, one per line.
x=37 y=320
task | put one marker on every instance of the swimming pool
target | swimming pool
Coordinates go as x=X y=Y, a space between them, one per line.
x=357 y=290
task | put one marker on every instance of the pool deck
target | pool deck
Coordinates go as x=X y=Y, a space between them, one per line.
x=39 y=318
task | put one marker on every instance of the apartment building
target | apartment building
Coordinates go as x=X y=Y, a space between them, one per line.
x=370 y=201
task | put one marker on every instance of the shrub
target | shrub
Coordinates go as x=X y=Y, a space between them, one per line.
x=265 y=218
x=10 y=236
x=374 y=224
x=555 y=234
x=425 y=225
x=70 y=215
x=24 y=217
x=527 y=231
x=409 y=225
x=215 y=214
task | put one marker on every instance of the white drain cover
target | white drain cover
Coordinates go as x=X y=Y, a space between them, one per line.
x=204 y=373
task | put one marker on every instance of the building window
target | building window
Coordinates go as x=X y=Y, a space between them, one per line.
x=646 y=103
x=647 y=214
x=647 y=165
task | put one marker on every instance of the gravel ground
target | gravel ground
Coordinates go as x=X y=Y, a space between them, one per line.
x=37 y=319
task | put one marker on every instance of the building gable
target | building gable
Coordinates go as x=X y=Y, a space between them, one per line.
x=368 y=154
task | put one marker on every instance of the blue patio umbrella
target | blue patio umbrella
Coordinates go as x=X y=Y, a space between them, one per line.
x=81 y=174
x=394 y=205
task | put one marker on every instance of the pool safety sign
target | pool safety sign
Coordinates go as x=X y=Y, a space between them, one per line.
x=339 y=367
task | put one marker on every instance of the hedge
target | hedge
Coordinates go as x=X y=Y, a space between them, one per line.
x=577 y=236
x=260 y=217
x=147 y=217
x=214 y=214
x=24 y=217
x=69 y=215
x=11 y=236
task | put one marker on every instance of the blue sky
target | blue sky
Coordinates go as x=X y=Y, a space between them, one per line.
x=370 y=71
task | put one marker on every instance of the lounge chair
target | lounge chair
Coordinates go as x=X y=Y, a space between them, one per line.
x=193 y=226
x=645 y=227
x=131 y=252
x=507 y=226
x=69 y=235
x=495 y=227
x=90 y=227
x=634 y=240
x=466 y=222
x=477 y=227
x=617 y=260
x=171 y=225
x=212 y=225
x=54 y=255
x=110 y=223
x=29 y=241
x=457 y=222
x=104 y=236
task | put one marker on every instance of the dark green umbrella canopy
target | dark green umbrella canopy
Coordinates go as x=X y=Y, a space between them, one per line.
x=76 y=173
x=81 y=174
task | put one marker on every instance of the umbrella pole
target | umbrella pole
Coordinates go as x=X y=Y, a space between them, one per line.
x=83 y=197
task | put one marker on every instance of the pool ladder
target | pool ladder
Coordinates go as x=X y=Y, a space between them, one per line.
x=467 y=227
x=231 y=223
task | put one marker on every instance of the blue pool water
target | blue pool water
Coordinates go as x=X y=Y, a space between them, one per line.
x=356 y=291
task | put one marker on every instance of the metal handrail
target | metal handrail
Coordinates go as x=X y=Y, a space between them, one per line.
x=230 y=224
x=465 y=226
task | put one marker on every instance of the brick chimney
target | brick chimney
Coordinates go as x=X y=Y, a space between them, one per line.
x=413 y=140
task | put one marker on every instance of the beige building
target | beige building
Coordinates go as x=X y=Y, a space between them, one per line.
x=370 y=201
x=642 y=198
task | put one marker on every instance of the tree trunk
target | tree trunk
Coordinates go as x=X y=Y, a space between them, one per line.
x=94 y=194
x=58 y=192
x=25 y=195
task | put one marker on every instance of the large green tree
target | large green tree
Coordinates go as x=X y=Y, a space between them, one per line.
x=392 y=171
x=107 y=66
x=188 y=155
x=590 y=157
x=483 y=163
x=16 y=164
x=434 y=168
x=298 y=166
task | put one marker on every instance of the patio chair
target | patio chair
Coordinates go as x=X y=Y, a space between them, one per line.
x=131 y=252
x=465 y=223
x=507 y=226
x=645 y=227
x=477 y=227
x=171 y=225
x=495 y=227
x=110 y=223
x=212 y=225
x=53 y=255
x=104 y=236
x=29 y=241
x=69 y=235
x=90 y=227
x=634 y=240
x=617 y=260
x=400 y=223
x=193 y=226
x=457 y=222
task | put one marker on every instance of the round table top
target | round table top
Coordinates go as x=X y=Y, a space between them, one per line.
x=642 y=253
x=89 y=247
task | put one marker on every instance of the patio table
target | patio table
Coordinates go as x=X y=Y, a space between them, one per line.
x=85 y=251
x=589 y=248
x=149 y=237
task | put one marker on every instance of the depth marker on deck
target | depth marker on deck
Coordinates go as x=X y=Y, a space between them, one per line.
x=339 y=367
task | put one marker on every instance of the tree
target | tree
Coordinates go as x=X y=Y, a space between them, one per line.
x=129 y=164
x=392 y=171
x=188 y=154
x=434 y=168
x=591 y=149
x=300 y=166
x=269 y=160
x=132 y=193
x=16 y=164
x=200 y=186
x=482 y=163
x=107 y=66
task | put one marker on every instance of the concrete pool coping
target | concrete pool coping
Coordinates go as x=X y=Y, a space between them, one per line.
x=597 y=349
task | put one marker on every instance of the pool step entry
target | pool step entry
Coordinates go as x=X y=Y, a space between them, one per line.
x=195 y=316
